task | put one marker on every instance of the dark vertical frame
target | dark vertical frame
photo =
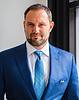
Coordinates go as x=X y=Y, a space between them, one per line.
x=72 y=30
x=60 y=35
x=73 y=5
x=53 y=35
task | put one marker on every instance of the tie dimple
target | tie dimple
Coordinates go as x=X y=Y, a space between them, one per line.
x=39 y=54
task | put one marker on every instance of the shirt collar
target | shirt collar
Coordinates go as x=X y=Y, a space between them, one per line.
x=31 y=49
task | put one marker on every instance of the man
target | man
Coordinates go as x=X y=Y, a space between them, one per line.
x=17 y=65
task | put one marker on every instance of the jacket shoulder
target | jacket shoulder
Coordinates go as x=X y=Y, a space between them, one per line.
x=61 y=53
x=12 y=51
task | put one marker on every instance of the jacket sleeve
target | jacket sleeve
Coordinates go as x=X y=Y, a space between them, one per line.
x=72 y=91
x=2 y=90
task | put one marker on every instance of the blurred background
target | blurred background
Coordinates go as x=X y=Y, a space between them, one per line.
x=65 y=34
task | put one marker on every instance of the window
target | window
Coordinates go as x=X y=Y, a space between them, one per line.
x=74 y=29
x=77 y=36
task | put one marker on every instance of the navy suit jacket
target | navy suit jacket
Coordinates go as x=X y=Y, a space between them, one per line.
x=15 y=77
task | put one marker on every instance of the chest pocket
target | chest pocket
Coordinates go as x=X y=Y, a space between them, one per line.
x=61 y=84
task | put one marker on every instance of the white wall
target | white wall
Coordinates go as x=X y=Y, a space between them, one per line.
x=77 y=37
x=11 y=21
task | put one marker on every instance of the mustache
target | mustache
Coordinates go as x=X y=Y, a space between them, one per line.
x=34 y=34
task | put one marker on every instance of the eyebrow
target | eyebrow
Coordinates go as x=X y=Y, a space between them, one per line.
x=30 y=22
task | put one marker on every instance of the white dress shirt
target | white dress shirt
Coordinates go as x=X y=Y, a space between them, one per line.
x=32 y=59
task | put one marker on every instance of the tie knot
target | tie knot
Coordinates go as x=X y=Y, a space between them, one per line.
x=39 y=53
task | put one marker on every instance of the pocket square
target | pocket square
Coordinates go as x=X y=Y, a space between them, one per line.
x=61 y=81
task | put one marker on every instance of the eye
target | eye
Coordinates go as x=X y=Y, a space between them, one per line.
x=41 y=25
x=30 y=24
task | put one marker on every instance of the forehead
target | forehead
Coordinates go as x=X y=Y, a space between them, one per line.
x=33 y=14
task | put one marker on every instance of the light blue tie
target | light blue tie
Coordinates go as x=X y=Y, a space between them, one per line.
x=39 y=82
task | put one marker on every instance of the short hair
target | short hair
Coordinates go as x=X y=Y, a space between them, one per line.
x=38 y=7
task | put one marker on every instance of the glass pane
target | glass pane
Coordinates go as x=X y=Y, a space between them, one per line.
x=77 y=36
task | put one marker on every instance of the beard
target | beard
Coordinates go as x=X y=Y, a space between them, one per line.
x=37 y=42
x=36 y=39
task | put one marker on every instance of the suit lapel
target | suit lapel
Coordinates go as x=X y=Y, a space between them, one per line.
x=54 y=64
x=23 y=68
x=22 y=61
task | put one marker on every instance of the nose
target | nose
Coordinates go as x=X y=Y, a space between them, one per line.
x=36 y=29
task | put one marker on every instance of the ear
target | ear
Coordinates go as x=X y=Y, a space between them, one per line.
x=51 y=25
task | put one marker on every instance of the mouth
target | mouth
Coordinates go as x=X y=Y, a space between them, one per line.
x=36 y=37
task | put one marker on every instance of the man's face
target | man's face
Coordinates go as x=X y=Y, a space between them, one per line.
x=37 y=27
